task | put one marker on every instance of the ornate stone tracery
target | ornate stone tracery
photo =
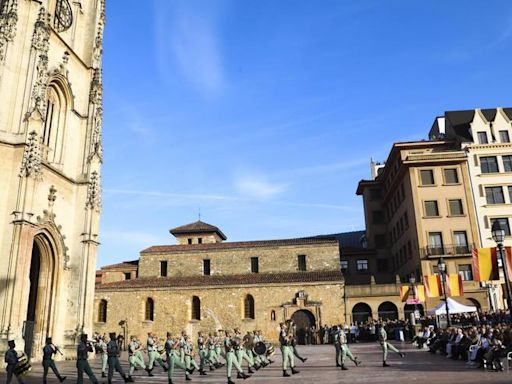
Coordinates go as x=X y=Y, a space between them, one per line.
x=63 y=16
x=31 y=162
x=41 y=44
x=93 y=200
x=8 y=21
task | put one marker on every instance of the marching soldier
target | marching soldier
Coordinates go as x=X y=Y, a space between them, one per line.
x=337 y=346
x=232 y=360
x=48 y=351
x=258 y=338
x=135 y=358
x=345 y=351
x=153 y=353
x=113 y=359
x=211 y=355
x=291 y=326
x=241 y=352
x=186 y=351
x=203 y=353
x=219 y=351
x=286 y=340
x=171 y=348
x=383 y=337
x=82 y=365
x=11 y=358
x=101 y=347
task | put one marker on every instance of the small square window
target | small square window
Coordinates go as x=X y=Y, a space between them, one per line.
x=200 y=241
x=427 y=177
x=489 y=164
x=431 y=209
x=362 y=265
x=189 y=241
x=504 y=137
x=494 y=195
x=507 y=163
x=456 y=207
x=451 y=176
x=466 y=272
x=482 y=138
x=127 y=275
x=344 y=265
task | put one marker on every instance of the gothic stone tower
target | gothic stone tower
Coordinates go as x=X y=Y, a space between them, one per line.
x=50 y=157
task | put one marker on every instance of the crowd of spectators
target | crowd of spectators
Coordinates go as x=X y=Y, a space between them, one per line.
x=482 y=340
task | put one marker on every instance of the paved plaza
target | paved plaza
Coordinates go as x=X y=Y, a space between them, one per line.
x=416 y=367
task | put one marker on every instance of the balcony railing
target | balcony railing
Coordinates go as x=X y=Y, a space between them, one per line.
x=446 y=250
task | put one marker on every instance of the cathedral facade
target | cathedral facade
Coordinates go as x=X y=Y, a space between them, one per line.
x=50 y=156
x=204 y=283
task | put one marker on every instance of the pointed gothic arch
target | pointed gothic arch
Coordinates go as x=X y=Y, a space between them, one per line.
x=44 y=283
x=59 y=102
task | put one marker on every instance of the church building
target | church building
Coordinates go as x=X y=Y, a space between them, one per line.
x=50 y=156
x=204 y=283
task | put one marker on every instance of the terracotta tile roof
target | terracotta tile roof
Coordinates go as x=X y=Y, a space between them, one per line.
x=197 y=227
x=219 y=280
x=124 y=265
x=238 y=244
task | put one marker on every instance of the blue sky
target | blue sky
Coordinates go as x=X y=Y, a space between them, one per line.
x=264 y=114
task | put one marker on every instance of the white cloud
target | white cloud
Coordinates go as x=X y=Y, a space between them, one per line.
x=258 y=187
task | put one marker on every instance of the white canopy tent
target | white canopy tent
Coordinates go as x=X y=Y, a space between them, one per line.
x=453 y=308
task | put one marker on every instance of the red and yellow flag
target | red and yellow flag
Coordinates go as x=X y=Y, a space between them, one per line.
x=433 y=287
x=485 y=264
x=409 y=297
x=454 y=285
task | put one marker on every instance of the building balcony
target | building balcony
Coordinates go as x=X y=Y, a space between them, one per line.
x=446 y=250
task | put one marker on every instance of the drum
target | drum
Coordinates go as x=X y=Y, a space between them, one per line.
x=260 y=348
x=270 y=350
x=23 y=367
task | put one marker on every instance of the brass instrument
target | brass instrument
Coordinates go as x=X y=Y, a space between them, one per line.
x=23 y=366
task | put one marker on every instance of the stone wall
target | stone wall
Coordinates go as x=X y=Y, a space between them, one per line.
x=238 y=260
x=221 y=308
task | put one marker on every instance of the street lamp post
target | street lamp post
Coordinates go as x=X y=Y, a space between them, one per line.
x=441 y=265
x=498 y=235
x=412 y=280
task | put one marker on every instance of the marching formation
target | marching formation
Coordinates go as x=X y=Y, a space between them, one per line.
x=224 y=348
x=179 y=352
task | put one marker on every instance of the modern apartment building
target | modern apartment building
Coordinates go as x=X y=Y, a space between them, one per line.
x=419 y=207
x=484 y=136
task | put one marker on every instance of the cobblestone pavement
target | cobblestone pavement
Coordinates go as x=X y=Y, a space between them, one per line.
x=418 y=366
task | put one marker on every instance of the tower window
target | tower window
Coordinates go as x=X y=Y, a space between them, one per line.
x=301 y=260
x=196 y=308
x=127 y=275
x=150 y=310
x=163 y=268
x=206 y=267
x=189 y=241
x=102 y=311
x=249 y=307
x=255 y=268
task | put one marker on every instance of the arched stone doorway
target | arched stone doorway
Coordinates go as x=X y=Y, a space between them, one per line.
x=304 y=320
x=388 y=311
x=361 y=313
x=41 y=298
